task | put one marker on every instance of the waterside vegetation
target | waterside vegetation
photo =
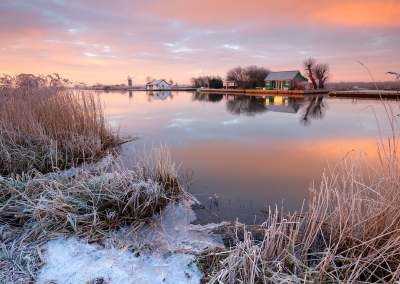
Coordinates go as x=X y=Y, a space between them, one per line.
x=347 y=232
x=45 y=125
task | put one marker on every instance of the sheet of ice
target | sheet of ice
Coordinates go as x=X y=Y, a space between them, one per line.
x=73 y=261
x=160 y=252
x=170 y=231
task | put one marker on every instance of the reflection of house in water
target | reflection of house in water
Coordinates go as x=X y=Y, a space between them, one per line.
x=159 y=95
x=283 y=104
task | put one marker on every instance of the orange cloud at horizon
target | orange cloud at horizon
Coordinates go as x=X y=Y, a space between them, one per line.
x=368 y=13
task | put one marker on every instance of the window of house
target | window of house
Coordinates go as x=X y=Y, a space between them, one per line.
x=267 y=82
x=287 y=82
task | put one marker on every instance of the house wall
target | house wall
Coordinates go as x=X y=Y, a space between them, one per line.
x=269 y=85
x=163 y=85
x=286 y=84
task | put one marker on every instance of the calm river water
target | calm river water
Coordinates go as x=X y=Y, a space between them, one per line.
x=253 y=152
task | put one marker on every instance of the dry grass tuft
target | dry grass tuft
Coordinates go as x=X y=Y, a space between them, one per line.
x=45 y=125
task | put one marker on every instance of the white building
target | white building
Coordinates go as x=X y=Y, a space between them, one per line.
x=229 y=84
x=158 y=85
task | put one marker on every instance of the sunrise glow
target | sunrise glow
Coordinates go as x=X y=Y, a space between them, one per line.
x=100 y=41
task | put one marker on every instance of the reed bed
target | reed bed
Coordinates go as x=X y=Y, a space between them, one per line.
x=46 y=125
x=350 y=234
x=34 y=209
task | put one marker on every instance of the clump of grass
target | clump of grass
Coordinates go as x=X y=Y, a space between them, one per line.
x=360 y=219
x=274 y=259
x=89 y=205
x=46 y=125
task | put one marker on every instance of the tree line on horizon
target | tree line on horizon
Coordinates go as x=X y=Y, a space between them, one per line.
x=244 y=77
x=253 y=76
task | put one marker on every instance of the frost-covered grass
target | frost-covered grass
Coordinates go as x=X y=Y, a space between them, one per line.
x=36 y=208
x=350 y=234
x=45 y=125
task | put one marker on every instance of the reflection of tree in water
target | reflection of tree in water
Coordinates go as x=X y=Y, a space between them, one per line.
x=315 y=110
x=206 y=97
x=248 y=106
x=215 y=97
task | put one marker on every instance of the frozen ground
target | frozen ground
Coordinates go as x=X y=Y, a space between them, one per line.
x=160 y=251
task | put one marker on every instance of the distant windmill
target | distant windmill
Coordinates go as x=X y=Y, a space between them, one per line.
x=394 y=73
x=130 y=79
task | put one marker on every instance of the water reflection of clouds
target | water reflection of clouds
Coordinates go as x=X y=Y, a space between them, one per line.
x=235 y=121
x=181 y=123
x=184 y=120
x=262 y=155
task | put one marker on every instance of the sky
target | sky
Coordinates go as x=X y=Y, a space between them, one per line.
x=100 y=41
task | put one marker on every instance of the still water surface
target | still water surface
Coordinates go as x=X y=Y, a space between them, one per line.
x=253 y=152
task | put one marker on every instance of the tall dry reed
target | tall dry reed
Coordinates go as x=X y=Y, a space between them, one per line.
x=44 y=124
x=350 y=234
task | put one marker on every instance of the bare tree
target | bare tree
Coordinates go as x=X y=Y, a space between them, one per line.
x=256 y=75
x=170 y=81
x=199 y=81
x=322 y=73
x=149 y=79
x=237 y=75
x=308 y=66
x=247 y=77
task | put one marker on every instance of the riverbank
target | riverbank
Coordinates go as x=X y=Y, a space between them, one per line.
x=252 y=92
x=133 y=88
x=374 y=94
x=300 y=93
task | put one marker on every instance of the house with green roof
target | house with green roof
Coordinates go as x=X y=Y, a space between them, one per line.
x=283 y=80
